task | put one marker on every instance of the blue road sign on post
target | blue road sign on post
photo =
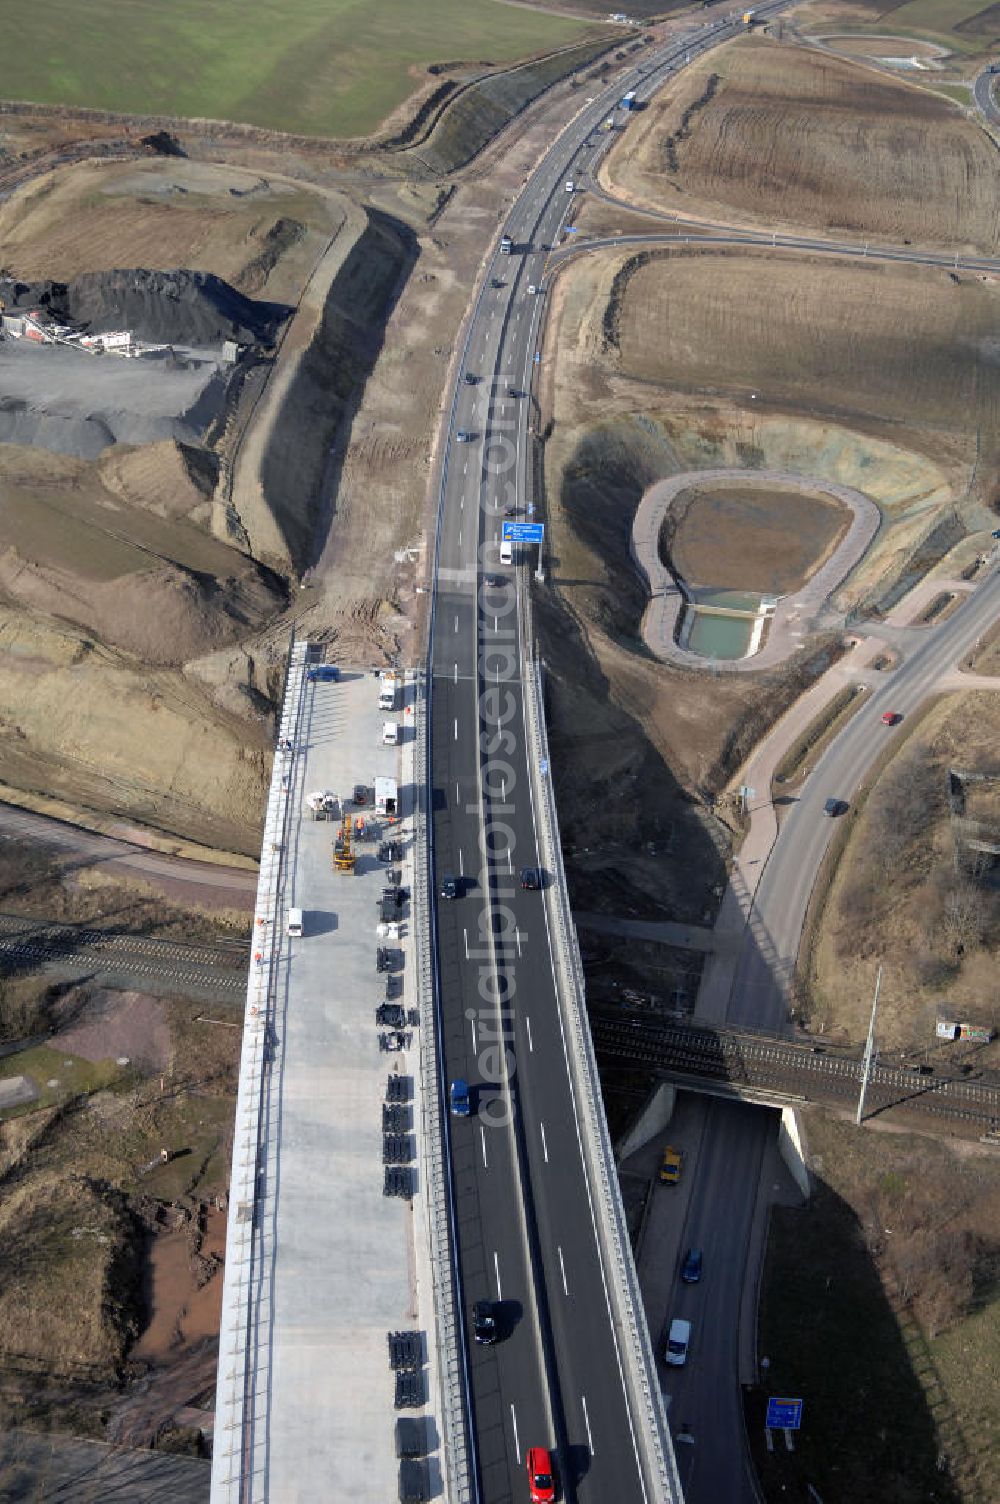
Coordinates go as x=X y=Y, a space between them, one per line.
x=523 y=532
x=783 y=1415
x=571 y=230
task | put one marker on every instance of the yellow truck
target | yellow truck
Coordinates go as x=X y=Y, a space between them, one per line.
x=670 y=1166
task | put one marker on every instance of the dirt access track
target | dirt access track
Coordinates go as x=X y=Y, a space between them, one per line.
x=792 y=613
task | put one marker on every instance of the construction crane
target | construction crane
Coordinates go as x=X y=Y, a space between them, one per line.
x=343 y=846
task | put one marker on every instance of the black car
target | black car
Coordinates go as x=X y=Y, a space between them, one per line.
x=691 y=1267
x=484 y=1322
x=449 y=886
x=834 y=807
x=531 y=877
x=470 y=380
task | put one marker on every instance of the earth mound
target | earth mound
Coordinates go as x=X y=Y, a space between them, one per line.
x=165 y=307
x=173 y=480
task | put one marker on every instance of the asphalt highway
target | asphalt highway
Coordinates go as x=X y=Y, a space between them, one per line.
x=771 y=940
x=525 y=1230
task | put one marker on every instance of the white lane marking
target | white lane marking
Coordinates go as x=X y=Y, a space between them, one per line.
x=562 y=1270
x=510 y=862
x=517 y=937
x=456 y=681
x=460 y=537
x=461 y=864
x=456 y=728
x=456 y=791
x=495 y=626
x=466 y=935
x=482 y=1135
x=517 y=1442
x=496 y=1271
x=531 y=1043
x=456 y=623
x=503 y=790
x=465 y=468
x=545 y=1147
x=586 y=1421
x=472 y=1028
x=461 y=504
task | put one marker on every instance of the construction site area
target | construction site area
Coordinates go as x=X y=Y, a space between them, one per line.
x=226 y=353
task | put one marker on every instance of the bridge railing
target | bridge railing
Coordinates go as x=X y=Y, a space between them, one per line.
x=242 y=1381
x=639 y=1368
x=436 y=1178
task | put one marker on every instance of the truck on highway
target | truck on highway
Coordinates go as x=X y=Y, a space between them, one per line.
x=388 y=691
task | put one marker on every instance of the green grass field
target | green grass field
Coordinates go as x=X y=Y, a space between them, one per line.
x=950 y=22
x=318 y=67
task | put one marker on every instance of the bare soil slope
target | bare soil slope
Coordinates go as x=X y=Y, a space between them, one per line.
x=778 y=134
x=900 y=899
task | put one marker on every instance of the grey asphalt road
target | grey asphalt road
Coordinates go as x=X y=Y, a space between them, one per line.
x=982 y=91
x=728 y=1142
x=767 y=959
x=525 y=1230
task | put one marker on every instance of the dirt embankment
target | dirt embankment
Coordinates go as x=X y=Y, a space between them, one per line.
x=285 y=474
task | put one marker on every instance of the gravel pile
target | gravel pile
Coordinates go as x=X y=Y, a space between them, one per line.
x=178 y=307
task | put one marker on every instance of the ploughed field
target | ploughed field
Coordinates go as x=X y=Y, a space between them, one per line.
x=899 y=343
x=779 y=135
x=315 y=67
x=744 y=538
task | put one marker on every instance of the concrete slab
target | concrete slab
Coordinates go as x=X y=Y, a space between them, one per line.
x=350 y=1262
x=16 y=1090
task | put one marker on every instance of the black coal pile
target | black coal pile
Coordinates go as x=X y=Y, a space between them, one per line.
x=171 y=308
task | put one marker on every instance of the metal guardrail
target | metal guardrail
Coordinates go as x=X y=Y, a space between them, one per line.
x=635 y=1348
x=242 y=1382
x=450 y=1338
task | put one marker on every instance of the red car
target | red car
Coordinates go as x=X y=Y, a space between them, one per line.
x=541 y=1480
x=891 y=718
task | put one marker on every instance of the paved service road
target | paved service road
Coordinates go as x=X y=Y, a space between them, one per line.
x=525 y=1230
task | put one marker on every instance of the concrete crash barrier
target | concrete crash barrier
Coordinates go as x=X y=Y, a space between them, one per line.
x=638 y=1364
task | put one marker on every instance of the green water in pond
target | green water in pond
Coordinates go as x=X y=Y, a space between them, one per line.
x=720 y=636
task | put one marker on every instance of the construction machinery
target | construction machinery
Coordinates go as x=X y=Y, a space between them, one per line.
x=343 y=846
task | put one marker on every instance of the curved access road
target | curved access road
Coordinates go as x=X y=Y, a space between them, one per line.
x=667 y=596
x=982 y=93
x=763 y=912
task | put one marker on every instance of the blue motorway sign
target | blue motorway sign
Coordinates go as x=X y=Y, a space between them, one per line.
x=523 y=532
x=783 y=1415
x=571 y=229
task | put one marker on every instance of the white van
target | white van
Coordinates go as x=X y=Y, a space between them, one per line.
x=678 y=1341
x=506 y=551
x=390 y=733
x=294 y=926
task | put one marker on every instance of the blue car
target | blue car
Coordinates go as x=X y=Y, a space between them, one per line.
x=461 y=1103
x=691 y=1267
x=323 y=673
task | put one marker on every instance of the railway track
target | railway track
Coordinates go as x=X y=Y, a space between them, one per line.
x=748 y=1063
x=30 y=944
